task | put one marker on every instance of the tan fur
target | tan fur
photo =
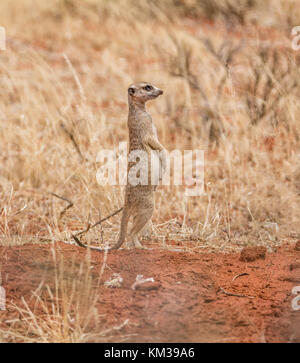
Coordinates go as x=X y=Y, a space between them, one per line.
x=139 y=199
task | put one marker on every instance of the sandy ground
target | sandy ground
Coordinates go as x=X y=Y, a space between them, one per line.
x=187 y=302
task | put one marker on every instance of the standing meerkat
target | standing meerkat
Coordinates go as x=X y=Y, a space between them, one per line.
x=139 y=199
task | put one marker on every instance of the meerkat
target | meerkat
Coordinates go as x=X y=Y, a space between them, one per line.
x=139 y=199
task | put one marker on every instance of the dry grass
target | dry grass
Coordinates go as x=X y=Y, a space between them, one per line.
x=65 y=313
x=231 y=87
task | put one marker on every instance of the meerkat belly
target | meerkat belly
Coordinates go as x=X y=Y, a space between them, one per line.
x=139 y=167
x=140 y=197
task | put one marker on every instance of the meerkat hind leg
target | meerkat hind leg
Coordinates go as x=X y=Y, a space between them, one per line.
x=147 y=230
x=139 y=224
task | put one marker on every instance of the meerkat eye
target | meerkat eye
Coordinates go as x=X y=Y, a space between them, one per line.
x=131 y=91
x=148 y=88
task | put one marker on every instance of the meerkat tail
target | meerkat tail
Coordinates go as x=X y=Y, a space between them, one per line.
x=85 y=246
x=121 y=239
x=123 y=229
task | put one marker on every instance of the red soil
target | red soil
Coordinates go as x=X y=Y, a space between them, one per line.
x=184 y=304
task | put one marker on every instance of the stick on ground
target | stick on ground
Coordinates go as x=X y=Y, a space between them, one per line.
x=70 y=204
x=232 y=294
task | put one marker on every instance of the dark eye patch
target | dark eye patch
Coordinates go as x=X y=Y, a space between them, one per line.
x=148 y=88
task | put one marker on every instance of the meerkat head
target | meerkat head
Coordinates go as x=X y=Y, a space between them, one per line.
x=143 y=92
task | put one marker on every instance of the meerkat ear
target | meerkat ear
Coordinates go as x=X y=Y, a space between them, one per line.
x=131 y=91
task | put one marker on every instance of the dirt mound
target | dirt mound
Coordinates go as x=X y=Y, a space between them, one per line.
x=250 y=254
x=189 y=297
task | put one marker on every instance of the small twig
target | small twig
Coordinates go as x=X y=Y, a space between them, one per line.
x=232 y=294
x=70 y=204
x=90 y=226
x=239 y=275
x=77 y=240
x=72 y=138
x=99 y=222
